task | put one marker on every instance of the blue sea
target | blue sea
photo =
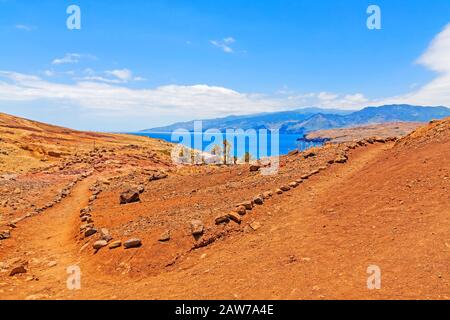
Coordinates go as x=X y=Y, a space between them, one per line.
x=286 y=143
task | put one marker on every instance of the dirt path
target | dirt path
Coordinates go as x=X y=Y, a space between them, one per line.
x=288 y=257
x=48 y=243
x=314 y=242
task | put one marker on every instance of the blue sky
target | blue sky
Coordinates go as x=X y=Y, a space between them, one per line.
x=138 y=64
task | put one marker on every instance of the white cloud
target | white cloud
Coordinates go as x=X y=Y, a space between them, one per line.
x=111 y=76
x=170 y=101
x=107 y=92
x=24 y=27
x=72 y=58
x=124 y=75
x=435 y=58
x=68 y=58
x=49 y=73
x=224 y=44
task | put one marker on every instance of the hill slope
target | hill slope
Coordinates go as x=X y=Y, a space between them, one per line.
x=387 y=205
x=27 y=144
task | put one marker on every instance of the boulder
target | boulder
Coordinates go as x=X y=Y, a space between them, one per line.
x=132 y=243
x=254 y=167
x=129 y=196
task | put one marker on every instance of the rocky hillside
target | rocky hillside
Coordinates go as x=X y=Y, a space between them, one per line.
x=396 y=129
x=26 y=145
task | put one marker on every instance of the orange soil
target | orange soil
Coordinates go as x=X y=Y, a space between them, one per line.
x=387 y=206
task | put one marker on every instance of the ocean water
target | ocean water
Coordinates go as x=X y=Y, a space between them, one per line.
x=286 y=143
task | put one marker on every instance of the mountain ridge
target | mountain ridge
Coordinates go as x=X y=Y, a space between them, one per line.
x=302 y=121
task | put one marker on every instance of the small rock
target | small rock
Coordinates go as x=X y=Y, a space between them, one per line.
x=309 y=155
x=341 y=159
x=52 y=264
x=100 y=244
x=132 y=243
x=259 y=200
x=12 y=225
x=6 y=234
x=129 y=196
x=105 y=235
x=157 y=176
x=241 y=210
x=18 y=268
x=293 y=184
x=165 y=236
x=89 y=232
x=255 y=225
x=115 y=244
x=305 y=176
x=267 y=194
x=279 y=191
x=248 y=205
x=222 y=219
x=254 y=168
x=197 y=227
x=235 y=217
x=285 y=188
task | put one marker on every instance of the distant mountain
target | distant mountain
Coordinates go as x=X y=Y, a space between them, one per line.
x=306 y=120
